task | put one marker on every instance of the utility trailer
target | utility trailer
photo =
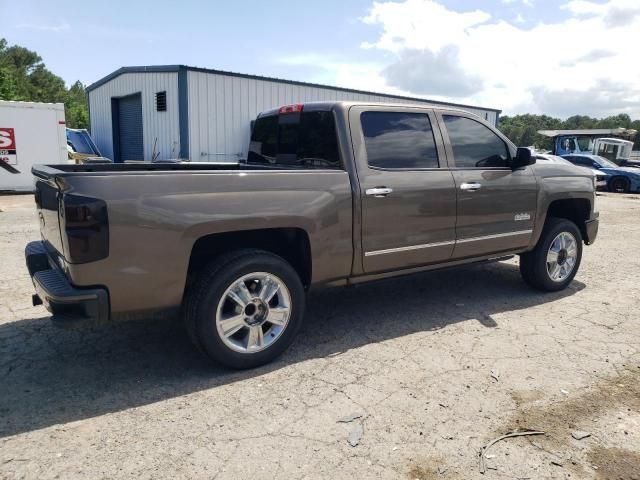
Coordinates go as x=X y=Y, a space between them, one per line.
x=30 y=133
x=615 y=144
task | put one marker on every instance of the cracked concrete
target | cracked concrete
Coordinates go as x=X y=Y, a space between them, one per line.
x=414 y=356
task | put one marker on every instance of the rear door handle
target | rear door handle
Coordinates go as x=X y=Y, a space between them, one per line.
x=378 y=192
x=470 y=187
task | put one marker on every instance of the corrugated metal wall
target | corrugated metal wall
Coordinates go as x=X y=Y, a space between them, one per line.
x=221 y=108
x=161 y=125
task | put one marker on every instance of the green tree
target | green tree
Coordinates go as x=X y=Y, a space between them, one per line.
x=523 y=129
x=45 y=86
x=8 y=86
x=636 y=126
x=622 y=120
x=24 y=76
x=76 y=111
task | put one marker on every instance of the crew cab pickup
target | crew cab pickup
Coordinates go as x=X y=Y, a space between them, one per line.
x=330 y=193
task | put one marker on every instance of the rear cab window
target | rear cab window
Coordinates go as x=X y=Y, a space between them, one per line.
x=295 y=140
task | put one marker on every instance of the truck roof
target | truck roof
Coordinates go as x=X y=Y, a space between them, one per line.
x=328 y=106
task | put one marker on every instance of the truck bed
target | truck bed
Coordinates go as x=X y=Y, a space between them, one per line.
x=44 y=171
x=154 y=213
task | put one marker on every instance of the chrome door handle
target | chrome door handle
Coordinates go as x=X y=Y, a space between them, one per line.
x=378 y=192
x=470 y=187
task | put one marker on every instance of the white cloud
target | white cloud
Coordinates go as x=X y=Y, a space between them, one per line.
x=420 y=24
x=588 y=57
x=621 y=17
x=584 y=64
x=584 y=7
x=414 y=72
x=526 y=3
x=606 y=97
x=61 y=27
x=615 y=13
x=592 y=56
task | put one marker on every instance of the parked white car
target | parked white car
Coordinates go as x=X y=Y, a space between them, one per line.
x=600 y=178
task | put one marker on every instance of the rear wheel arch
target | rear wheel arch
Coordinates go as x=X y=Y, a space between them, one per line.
x=291 y=244
x=237 y=337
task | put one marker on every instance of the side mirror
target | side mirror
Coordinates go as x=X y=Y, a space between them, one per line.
x=522 y=159
x=596 y=165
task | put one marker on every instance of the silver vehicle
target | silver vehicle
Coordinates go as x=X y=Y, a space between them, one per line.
x=600 y=178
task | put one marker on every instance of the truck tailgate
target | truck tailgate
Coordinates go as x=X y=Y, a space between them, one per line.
x=47 y=198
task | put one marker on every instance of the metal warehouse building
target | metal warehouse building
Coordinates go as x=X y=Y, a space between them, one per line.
x=175 y=111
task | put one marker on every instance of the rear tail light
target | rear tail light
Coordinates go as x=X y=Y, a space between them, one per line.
x=86 y=224
x=297 y=108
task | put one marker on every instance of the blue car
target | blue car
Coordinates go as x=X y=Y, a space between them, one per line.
x=621 y=179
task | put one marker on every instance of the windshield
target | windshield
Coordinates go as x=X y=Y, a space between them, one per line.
x=81 y=142
x=585 y=144
x=604 y=162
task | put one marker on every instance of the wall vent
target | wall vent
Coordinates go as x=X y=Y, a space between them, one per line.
x=161 y=101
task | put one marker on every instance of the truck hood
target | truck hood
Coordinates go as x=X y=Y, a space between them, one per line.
x=552 y=169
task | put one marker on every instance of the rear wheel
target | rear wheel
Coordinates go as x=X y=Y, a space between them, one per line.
x=245 y=308
x=554 y=262
x=619 y=185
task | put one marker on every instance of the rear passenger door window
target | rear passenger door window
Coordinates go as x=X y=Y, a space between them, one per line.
x=399 y=140
x=474 y=145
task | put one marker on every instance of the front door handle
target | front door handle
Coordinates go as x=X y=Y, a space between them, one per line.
x=470 y=187
x=378 y=192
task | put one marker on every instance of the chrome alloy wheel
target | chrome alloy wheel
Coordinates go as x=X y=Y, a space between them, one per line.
x=562 y=256
x=253 y=312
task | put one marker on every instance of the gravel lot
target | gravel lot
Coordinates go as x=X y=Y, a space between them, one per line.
x=436 y=364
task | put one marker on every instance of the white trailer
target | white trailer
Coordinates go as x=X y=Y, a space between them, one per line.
x=30 y=133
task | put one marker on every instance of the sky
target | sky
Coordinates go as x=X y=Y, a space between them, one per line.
x=559 y=58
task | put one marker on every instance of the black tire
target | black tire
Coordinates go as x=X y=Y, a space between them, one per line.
x=533 y=265
x=201 y=305
x=619 y=185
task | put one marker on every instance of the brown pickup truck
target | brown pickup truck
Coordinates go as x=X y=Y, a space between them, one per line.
x=330 y=193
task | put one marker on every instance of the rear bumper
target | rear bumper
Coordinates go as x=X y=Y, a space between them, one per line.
x=591 y=229
x=69 y=306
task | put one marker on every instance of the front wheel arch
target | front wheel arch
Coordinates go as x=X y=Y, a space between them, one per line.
x=576 y=210
x=534 y=264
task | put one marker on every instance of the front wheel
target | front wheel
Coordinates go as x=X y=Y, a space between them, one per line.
x=245 y=308
x=555 y=260
x=619 y=185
